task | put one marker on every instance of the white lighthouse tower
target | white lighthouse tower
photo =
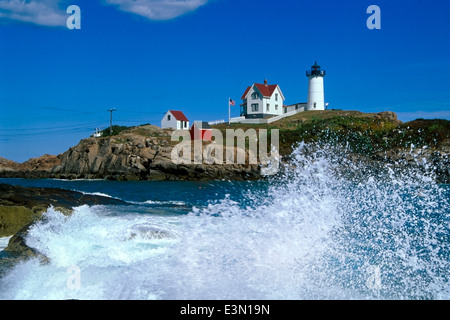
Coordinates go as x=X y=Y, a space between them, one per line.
x=316 y=97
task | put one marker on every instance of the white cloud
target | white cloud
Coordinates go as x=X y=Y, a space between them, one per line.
x=53 y=13
x=41 y=12
x=158 y=9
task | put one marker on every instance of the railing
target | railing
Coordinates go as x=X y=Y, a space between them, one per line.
x=211 y=123
x=265 y=121
x=316 y=73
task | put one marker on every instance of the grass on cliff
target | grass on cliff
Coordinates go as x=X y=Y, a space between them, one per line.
x=143 y=129
x=115 y=130
x=363 y=133
x=368 y=135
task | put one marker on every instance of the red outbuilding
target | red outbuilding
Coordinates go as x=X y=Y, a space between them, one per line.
x=201 y=130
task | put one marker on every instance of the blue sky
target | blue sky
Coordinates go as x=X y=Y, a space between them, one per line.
x=147 y=56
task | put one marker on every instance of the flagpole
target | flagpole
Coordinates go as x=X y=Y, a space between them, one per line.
x=229 y=111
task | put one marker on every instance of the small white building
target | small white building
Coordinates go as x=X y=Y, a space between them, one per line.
x=262 y=101
x=97 y=133
x=175 y=120
x=299 y=107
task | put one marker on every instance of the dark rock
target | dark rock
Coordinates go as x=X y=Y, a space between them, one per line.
x=18 y=248
x=21 y=207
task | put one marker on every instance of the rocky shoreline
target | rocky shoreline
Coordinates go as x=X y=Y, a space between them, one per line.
x=21 y=207
x=145 y=152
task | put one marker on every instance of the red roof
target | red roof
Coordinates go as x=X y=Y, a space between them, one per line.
x=178 y=115
x=265 y=89
x=245 y=93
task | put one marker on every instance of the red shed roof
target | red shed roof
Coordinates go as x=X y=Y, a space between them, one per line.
x=179 y=115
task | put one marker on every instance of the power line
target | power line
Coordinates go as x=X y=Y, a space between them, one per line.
x=35 y=132
x=19 y=133
x=15 y=135
x=51 y=128
x=11 y=115
x=32 y=135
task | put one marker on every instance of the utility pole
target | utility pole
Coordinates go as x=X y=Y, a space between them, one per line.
x=110 y=120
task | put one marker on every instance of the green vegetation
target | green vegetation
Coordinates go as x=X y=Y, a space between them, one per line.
x=362 y=133
x=142 y=129
x=421 y=132
x=115 y=130
x=367 y=135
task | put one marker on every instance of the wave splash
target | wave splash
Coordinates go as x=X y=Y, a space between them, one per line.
x=331 y=227
x=335 y=227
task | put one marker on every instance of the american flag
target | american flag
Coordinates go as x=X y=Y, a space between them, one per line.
x=232 y=102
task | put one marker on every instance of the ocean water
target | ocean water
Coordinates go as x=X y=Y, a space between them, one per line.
x=328 y=228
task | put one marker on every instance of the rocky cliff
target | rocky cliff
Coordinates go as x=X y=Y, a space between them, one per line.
x=33 y=168
x=142 y=153
x=145 y=152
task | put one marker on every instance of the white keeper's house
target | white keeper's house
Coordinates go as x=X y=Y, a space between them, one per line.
x=175 y=120
x=262 y=101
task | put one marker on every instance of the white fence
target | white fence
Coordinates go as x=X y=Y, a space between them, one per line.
x=265 y=121
x=211 y=123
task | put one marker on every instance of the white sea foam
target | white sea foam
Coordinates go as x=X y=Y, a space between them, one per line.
x=4 y=242
x=101 y=194
x=170 y=202
x=320 y=232
x=98 y=194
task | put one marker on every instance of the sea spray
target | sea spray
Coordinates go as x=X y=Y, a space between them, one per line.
x=332 y=226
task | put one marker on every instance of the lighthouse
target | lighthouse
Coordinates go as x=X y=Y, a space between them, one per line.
x=316 y=98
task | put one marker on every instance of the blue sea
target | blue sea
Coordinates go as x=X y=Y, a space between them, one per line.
x=327 y=228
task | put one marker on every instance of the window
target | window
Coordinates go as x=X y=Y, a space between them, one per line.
x=276 y=107
x=268 y=107
x=315 y=105
x=276 y=96
x=185 y=124
x=168 y=117
x=285 y=110
x=255 y=107
x=255 y=95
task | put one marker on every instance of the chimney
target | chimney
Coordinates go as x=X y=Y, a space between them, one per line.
x=265 y=82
